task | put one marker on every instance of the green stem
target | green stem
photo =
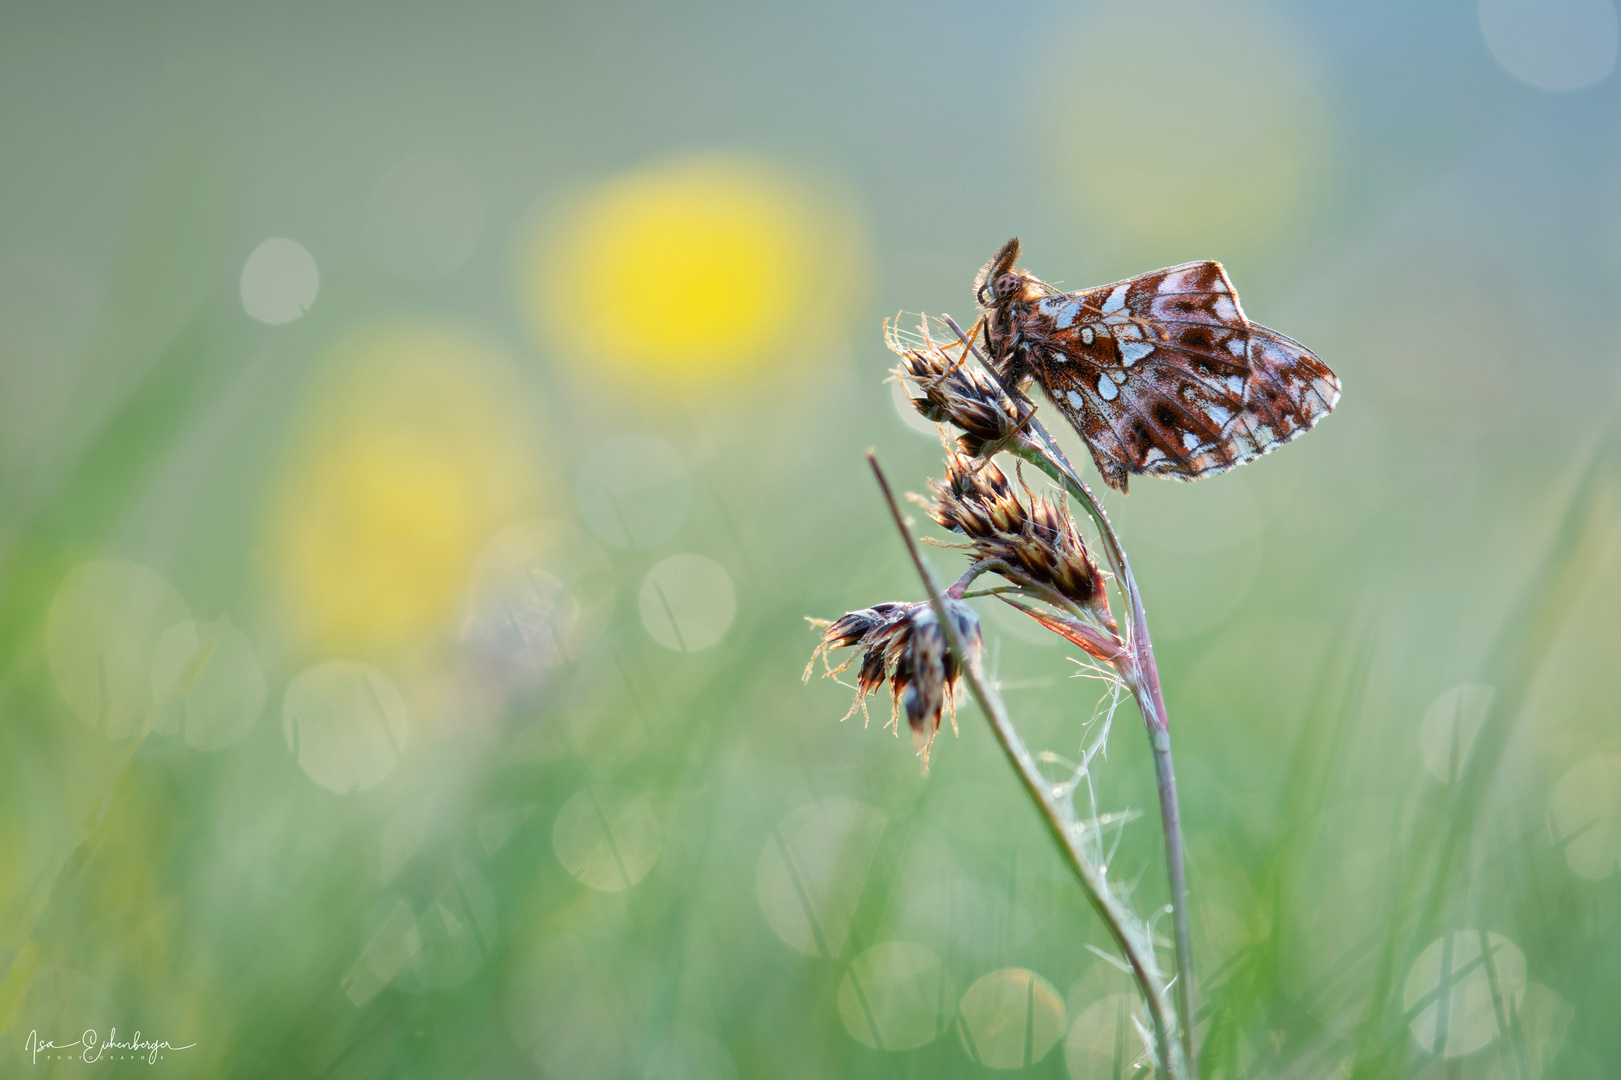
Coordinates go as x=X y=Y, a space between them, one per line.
x=1142 y=679
x=1173 y=1061
x=1036 y=446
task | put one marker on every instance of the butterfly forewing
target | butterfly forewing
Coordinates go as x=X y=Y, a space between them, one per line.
x=1163 y=373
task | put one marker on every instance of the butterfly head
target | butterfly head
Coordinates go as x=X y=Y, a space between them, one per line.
x=998 y=283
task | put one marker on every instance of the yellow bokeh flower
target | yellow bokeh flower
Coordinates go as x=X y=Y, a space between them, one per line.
x=414 y=452
x=702 y=267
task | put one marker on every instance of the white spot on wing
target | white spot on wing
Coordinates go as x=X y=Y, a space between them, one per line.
x=1087 y=336
x=1181 y=281
x=1154 y=454
x=1076 y=401
x=1106 y=388
x=1225 y=309
x=1190 y=440
x=1062 y=309
x=1116 y=300
x=1208 y=465
x=1219 y=415
x=1235 y=384
x=1236 y=345
x=1133 y=351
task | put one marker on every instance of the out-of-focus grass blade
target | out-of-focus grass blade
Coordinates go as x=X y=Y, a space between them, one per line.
x=1430 y=888
x=161 y=296
x=172 y=264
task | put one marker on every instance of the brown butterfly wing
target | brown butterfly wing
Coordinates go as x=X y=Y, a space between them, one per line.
x=1163 y=374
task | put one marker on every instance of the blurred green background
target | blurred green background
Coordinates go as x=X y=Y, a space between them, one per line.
x=424 y=427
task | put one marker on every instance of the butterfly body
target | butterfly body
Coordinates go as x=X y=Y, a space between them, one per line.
x=1161 y=373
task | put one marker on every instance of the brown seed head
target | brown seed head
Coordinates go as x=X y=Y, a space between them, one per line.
x=902 y=644
x=1039 y=539
x=956 y=394
x=977 y=499
x=1054 y=551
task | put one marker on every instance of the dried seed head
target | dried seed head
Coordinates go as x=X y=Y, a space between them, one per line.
x=977 y=499
x=1055 y=552
x=956 y=394
x=903 y=644
x=1040 y=539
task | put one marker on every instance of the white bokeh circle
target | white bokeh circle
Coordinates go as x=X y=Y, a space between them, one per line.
x=1104 y=1039
x=900 y=395
x=896 y=996
x=812 y=871
x=346 y=723
x=207 y=682
x=607 y=838
x=279 y=281
x=1584 y=816
x=1551 y=44
x=687 y=602
x=101 y=632
x=1010 y=1018
x=1455 y=973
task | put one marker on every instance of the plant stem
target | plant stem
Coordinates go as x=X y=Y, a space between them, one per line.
x=1142 y=679
x=1141 y=675
x=1173 y=1061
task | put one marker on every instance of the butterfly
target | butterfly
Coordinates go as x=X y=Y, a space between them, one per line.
x=1161 y=373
